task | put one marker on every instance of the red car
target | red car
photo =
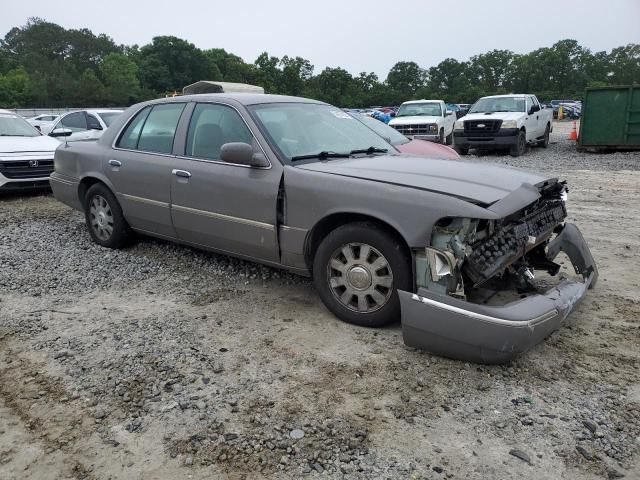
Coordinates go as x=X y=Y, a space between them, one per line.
x=423 y=148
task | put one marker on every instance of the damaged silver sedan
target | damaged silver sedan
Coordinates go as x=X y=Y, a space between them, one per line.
x=463 y=253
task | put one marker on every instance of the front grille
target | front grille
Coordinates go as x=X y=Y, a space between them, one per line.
x=420 y=129
x=26 y=168
x=482 y=127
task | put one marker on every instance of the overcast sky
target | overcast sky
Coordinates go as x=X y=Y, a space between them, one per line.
x=358 y=35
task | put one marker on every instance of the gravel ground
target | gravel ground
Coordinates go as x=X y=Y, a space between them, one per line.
x=161 y=361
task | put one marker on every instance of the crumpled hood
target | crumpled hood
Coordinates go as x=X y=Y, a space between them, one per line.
x=494 y=116
x=28 y=144
x=482 y=183
x=415 y=120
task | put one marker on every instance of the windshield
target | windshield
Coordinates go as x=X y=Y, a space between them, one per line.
x=382 y=129
x=109 y=117
x=300 y=129
x=419 y=109
x=498 y=104
x=15 y=126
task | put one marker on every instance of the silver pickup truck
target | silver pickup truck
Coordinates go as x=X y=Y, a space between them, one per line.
x=448 y=247
x=504 y=121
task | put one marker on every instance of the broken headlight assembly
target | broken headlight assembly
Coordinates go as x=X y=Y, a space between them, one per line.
x=468 y=255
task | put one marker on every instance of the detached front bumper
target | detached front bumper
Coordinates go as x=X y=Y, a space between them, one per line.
x=496 y=334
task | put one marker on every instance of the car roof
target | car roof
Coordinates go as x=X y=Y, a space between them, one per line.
x=420 y=101
x=242 y=98
x=5 y=112
x=509 y=95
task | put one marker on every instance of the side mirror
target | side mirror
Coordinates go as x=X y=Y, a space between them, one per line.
x=242 y=154
x=60 y=132
x=534 y=109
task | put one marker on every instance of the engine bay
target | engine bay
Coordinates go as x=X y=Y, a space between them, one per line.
x=468 y=256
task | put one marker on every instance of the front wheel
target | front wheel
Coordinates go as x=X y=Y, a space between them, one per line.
x=441 y=139
x=103 y=214
x=357 y=270
x=520 y=146
x=462 y=150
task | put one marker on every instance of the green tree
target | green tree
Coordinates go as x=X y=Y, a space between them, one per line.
x=406 y=78
x=624 y=64
x=15 y=88
x=91 y=91
x=120 y=76
x=169 y=63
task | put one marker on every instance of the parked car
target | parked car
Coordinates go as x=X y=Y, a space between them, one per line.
x=571 y=108
x=44 y=123
x=83 y=124
x=404 y=144
x=301 y=185
x=463 y=109
x=425 y=119
x=504 y=121
x=26 y=156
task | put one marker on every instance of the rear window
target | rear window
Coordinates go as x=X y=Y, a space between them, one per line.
x=153 y=129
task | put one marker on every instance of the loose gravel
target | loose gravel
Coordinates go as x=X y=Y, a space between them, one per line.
x=162 y=361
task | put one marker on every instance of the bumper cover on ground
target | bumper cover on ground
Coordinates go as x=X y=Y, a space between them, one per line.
x=496 y=334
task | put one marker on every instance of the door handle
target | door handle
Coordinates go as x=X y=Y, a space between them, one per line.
x=181 y=173
x=115 y=163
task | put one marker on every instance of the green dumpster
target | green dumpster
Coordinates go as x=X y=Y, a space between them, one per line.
x=610 y=119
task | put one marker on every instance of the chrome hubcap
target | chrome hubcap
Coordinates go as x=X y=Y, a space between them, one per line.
x=360 y=277
x=101 y=217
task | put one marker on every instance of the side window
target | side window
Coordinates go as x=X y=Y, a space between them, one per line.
x=76 y=122
x=534 y=101
x=528 y=107
x=131 y=134
x=211 y=127
x=93 y=123
x=160 y=128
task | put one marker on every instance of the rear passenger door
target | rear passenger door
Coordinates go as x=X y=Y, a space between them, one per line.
x=223 y=206
x=139 y=167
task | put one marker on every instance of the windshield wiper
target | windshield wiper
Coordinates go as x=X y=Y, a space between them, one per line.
x=369 y=151
x=322 y=155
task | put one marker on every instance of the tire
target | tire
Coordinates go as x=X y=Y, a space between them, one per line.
x=520 y=146
x=462 y=150
x=357 y=270
x=449 y=139
x=441 y=139
x=105 y=221
x=544 y=143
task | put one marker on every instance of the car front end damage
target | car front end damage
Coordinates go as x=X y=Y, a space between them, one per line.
x=488 y=290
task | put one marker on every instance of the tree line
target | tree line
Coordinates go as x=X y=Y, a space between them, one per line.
x=45 y=65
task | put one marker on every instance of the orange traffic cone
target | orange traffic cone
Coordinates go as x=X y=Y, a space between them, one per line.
x=574 y=133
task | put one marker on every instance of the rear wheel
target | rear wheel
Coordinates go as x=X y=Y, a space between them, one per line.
x=106 y=223
x=449 y=139
x=520 y=146
x=357 y=271
x=544 y=143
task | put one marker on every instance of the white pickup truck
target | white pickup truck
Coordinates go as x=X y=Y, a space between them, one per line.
x=504 y=121
x=426 y=120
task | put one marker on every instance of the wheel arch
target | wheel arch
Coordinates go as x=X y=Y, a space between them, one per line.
x=91 y=179
x=336 y=219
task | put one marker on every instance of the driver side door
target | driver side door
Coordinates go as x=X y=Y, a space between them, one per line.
x=220 y=205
